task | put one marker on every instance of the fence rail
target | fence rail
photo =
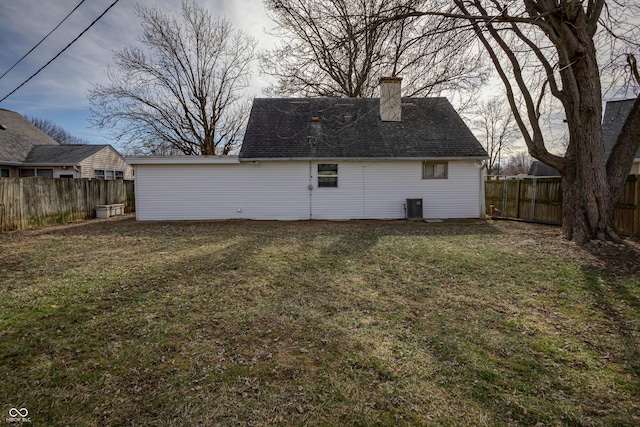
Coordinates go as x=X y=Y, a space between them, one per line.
x=540 y=200
x=30 y=202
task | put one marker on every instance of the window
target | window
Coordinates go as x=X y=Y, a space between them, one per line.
x=431 y=170
x=107 y=174
x=327 y=175
x=5 y=173
x=46 y=173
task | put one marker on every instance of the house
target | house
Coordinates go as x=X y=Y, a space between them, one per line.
x=26 y=151
x=542 y=169
x=615 y=114
x=326 y=158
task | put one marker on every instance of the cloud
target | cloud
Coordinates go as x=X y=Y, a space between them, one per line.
x=60 y=91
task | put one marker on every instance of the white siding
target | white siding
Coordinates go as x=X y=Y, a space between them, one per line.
x=280 y=190
x=223 y=191
x=107 y=158
x=65 y=171
x=380 y=189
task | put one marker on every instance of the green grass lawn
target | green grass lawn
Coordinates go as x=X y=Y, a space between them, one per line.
x=356 y=323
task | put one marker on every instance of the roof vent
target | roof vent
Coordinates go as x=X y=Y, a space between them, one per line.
x=3 y=127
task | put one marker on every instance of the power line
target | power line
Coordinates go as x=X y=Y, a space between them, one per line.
x=43 y=39
x=61 y=52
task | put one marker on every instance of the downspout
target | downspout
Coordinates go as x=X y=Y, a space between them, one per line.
x=310 y=187
x=364 y=193
x=483 y=206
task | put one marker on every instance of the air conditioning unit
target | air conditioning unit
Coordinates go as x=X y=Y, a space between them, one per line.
x=413 y=209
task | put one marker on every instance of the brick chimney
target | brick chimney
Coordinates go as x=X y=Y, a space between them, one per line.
x=391 y=99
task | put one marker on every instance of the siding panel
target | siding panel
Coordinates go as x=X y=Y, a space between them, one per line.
x=245 y=190
x=280 y=190
x=107 y=158
x=370 y=190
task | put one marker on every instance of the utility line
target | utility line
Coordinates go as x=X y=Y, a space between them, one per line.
x=61 y=52
x=43 y=39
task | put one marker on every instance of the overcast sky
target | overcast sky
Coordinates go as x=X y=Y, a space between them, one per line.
x=59 y=92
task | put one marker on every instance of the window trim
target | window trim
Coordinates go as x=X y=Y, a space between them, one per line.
x=332 y=176
x=35 y=172
x=433 y=165
x=108 y=174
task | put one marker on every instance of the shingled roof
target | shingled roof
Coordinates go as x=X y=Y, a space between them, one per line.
x=321 y=128
x=615 y=114
x=18 y=136
x=63 y=155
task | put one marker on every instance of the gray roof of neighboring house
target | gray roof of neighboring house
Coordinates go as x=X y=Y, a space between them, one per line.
x=615 y=114
x=542 y=169
x=351 y=128
x=62 y=154
x=18 y=136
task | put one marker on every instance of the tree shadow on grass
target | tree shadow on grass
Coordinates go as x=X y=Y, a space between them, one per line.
x=128 y=225
x=112 y=350
x=621 y=307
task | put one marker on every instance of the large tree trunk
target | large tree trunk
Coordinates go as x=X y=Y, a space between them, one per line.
x=587 y=204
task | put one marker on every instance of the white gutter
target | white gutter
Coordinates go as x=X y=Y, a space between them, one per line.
x=358 y=159
x=181 y=160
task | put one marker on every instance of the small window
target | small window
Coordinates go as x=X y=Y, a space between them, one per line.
x=68 y=176
x=437 y=170
x=107 y=174
x=327 y=175
x=26 y=173
x=46 y=173
x=5 y=173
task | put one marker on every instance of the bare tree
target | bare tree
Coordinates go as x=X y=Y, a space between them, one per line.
x=495 y=123
x=551 y=48
x=55 y=131
x=184 y=92
x=518 y=164
x=341 y=48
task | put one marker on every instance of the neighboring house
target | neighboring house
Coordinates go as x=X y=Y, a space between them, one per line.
x=542 y=169
x=615 y=114
x=77 y=161
x=26 y=151
x=326 y=158
x=17 y=137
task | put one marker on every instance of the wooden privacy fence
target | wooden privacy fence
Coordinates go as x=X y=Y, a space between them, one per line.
x=29 y=202
x=539 y=199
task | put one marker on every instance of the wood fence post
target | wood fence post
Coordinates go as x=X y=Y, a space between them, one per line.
x=505 y=196
x=533 y=199
x=518 y=187
x=636 y=208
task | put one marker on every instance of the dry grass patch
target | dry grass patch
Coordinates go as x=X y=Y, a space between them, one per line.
x=117 y=322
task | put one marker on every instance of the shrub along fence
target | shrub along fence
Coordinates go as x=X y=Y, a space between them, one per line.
x=30 y=202
x=539 y=199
